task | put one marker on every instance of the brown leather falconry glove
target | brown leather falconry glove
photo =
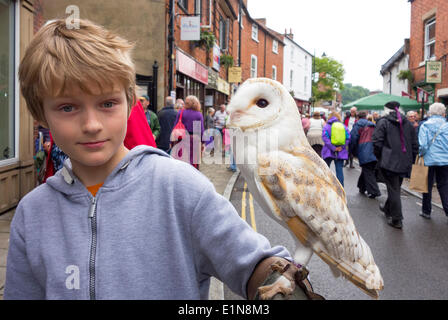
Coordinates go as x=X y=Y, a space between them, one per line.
x=276 y=278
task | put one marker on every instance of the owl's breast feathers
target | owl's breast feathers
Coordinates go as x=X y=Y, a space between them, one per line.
x=310 y=199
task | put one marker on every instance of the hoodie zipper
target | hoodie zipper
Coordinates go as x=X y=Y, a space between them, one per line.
x=92 y=217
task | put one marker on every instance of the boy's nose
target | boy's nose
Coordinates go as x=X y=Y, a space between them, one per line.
x=92 y=123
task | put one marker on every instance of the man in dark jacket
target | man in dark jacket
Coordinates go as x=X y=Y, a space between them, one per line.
x=395 y=146
x=167 y=117
x=361 y=146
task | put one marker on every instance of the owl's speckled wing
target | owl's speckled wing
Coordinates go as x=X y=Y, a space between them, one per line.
x=308 y=197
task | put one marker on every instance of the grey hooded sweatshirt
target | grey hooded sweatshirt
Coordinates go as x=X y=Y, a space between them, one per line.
x=157 y=229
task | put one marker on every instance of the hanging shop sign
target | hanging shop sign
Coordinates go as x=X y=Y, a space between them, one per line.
x=223 y=86
x=212 y=78
x=216 y=56
x=191 y=68
x=190 y=28
x=433 y=72
x=235 y=74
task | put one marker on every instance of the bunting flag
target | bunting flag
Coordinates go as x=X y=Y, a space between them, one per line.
x=422 y=95
x=405 y=94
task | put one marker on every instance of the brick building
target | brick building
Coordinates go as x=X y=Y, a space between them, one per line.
x=429 y=42
x=197 y=69
x=262 y=49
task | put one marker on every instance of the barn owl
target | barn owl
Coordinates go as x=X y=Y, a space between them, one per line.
x=294 y=186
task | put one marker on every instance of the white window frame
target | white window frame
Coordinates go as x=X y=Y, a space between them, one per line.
x=429 y=42
x=183 y=4
x=16 y=44
x=255 y=32
x=224 y=43
x=291 y=78
x=241 y=22
x=292 y=54
x=274 y=73
x=275 y=46
x=198 y=7
x=253 y=68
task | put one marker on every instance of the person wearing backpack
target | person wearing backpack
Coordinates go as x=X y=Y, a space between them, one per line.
x=336 y=139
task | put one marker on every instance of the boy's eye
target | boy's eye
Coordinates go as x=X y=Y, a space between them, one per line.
x=108 y=104
x=67 y=108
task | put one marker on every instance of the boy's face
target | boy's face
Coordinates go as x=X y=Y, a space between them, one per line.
x=89 y=128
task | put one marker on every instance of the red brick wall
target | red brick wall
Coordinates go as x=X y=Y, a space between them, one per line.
x=420 y=9
x=200 y=54
x=262 y=49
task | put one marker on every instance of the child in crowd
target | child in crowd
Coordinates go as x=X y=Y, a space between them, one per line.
x=115 y=223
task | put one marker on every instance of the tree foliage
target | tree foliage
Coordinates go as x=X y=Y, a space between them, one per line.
x=331 y=77
x=352 y=93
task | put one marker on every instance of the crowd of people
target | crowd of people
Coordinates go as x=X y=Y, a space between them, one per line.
x=386 y=148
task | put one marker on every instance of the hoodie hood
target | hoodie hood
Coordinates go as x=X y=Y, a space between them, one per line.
x=365 y=123
x=68 y=183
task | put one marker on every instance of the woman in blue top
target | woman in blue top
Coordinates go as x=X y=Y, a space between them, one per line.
x=435 y=154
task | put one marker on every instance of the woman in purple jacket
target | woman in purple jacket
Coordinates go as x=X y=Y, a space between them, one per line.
x=194 y=123
x=331 y=152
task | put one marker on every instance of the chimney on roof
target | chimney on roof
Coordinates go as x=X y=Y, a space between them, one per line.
x=289 y=35
x=261 y=21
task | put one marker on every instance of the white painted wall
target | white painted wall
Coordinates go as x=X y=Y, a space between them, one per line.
x=397 y=85
x=294 y=59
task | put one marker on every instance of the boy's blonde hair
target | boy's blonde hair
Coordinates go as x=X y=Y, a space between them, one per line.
x=58 y=56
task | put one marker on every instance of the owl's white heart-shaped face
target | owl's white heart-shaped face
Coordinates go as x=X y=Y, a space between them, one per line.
x=259 y=102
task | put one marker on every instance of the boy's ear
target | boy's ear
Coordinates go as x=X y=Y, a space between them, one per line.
x=43 y=123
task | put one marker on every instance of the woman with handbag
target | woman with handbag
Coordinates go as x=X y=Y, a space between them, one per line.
x=433 y=140
x=193 y=121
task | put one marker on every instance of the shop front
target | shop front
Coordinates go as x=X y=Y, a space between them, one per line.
x=17 y=175
x=217 y=91
x=191 y=77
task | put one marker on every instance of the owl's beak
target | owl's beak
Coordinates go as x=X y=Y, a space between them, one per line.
x=234 y=118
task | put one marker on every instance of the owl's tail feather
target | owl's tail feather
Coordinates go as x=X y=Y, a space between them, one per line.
x=350 y=275
x=369 y=282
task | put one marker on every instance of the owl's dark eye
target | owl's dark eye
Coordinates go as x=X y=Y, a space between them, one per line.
x=262 y=103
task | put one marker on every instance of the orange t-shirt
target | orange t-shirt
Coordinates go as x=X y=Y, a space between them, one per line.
x=94 y=189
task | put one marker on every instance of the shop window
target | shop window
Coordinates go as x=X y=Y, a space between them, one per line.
x=8 y=135
x=253 y=66
x=430 y=39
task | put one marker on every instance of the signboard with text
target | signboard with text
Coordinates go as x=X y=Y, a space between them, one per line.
x=235 y=74
x=433 y=72
x=191 y=68
x=216 y=56
x=190 y=28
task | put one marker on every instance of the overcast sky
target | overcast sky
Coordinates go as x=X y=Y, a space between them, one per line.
x=361 y=34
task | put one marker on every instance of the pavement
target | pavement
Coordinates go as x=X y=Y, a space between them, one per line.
x=222 y=179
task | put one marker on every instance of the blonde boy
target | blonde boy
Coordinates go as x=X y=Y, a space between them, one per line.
x=115 y=223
